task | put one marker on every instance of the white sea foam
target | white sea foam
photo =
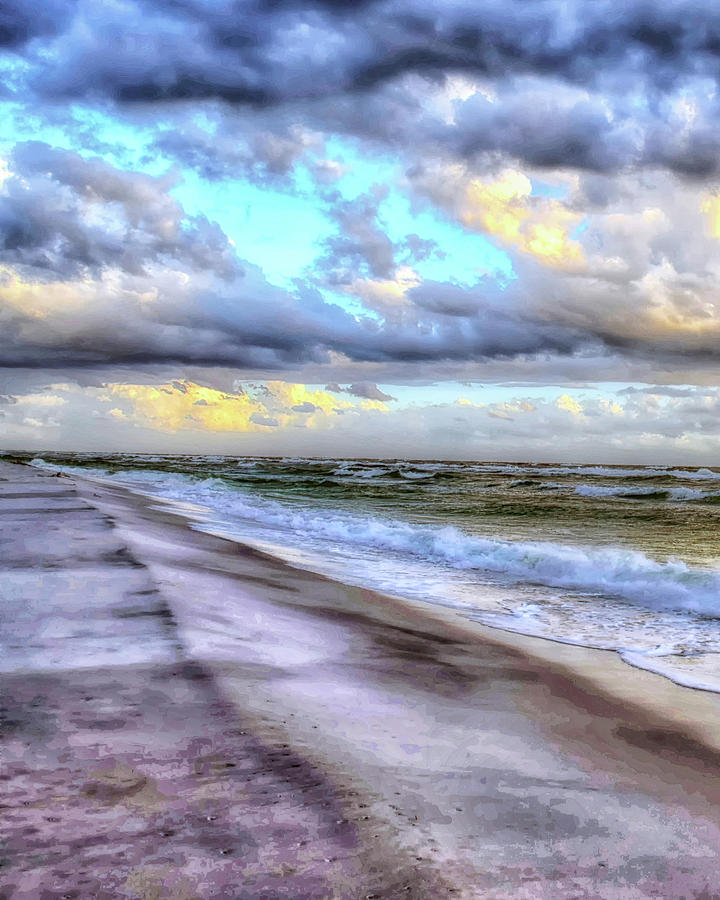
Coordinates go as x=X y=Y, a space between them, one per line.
x=627 y=574
x=411 y=472
x=605 y=490
x=682 y=493
x=630 y=491
x=360 y=472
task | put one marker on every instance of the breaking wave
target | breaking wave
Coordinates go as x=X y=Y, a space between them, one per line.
x=623 y=574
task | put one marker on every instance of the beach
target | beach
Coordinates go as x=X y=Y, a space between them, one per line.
x=191 y=717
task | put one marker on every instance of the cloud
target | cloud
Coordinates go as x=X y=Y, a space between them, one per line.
x=612 y=271
x=369 y=391
x=665 y=390
x=69 y=216
x=504 y=207
x=182 y=405
x=262 y=147
x=632 y=262
x=103 y=266
x=362 y=252
x=419 y=249
x=284 y=397
x=610 y=427
x=365 y=389
x=100 y=266
x=362 y=244
x=569 y=404
x=327 y=171
x=623 y=86
x=305 y=407
x=264 y=421
x=447 y=299
x=21 y=22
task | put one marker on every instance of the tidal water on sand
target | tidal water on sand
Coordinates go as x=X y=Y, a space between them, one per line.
x=625 y=558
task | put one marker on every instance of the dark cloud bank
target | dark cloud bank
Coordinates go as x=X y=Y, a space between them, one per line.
x=547 y=61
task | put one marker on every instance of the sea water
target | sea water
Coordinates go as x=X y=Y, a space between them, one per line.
x=623 y=558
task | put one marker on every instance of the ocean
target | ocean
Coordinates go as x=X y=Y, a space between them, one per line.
x=618 y=557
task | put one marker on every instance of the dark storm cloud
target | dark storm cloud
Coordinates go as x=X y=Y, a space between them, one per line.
x=367 y=43
x=546 y=128
x=262 y=54
x=21 y=21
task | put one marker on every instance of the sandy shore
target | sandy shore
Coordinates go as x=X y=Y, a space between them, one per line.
x=191 y=718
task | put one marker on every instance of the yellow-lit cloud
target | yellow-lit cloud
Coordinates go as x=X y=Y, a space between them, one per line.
x=373 y=404
x=288 y=395
x=508 y=410
x=505 y=209
x=612 y=407
x=40 y=399
x=35 y=300
x=711 y=208
x=74 y=300
x=386 y=296
x=566 y=402
x=183 y=405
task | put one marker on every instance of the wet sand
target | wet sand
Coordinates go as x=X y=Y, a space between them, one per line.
x=261 y=731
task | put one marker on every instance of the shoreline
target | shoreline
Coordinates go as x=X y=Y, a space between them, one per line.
x=481 y=767
x=668 y=664
x=602 y=667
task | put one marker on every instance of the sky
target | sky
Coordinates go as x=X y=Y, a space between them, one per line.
x=464 y=229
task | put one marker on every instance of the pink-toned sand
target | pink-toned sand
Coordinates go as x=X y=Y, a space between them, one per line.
x=190 y=718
